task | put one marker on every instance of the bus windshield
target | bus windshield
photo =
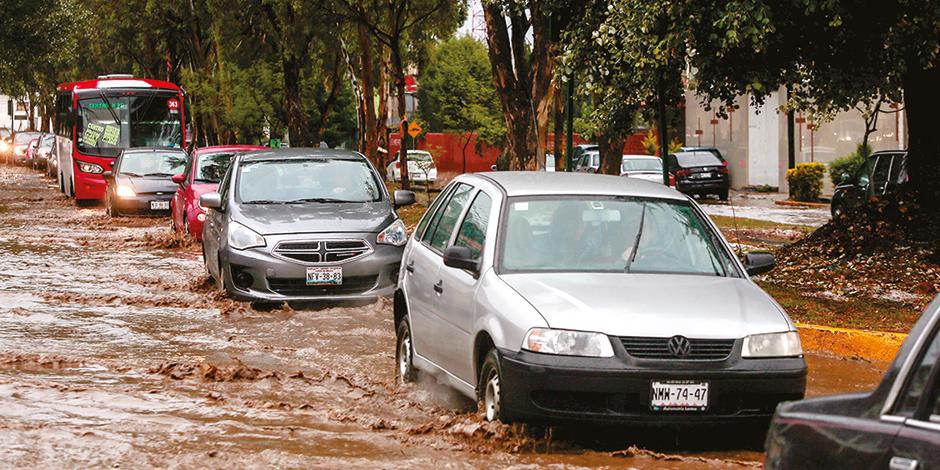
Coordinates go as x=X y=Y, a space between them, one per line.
x=108 y=123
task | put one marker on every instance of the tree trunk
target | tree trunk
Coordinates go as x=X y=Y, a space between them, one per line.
x=293 y=103
x=922 y=99
x=398 y=73
x=332 y=86
x=610 y=145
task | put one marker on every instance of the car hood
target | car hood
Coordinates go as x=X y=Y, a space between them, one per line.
x=275 y=219
x=203 y=188
x=652 y=305
x=145 y=185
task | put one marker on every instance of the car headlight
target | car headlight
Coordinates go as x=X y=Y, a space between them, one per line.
x=786 y=344
x=567 y=343
x=125 y=191
x=86 y=167
x=242 y=238
x=395 y=234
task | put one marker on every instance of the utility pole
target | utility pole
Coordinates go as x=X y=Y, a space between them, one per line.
x=661 y=117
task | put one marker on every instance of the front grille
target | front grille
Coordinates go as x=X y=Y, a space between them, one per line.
x=331 y=251
x=298 y=287
x=658 y=348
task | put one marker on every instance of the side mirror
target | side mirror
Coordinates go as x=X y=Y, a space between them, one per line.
x=108 y=175
x=845 y=178
x=404 y=198
x=211 y=201
x=460 y=257
x=758 y=262
x=178 y=179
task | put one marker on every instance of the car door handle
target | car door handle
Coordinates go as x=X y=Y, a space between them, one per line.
x=901 y=463
x=439 y=287
x=410 y=267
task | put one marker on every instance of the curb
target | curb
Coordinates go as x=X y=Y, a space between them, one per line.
x=787 y=202
x=871 y=345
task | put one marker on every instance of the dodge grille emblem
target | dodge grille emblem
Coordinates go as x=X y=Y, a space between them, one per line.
x=679 y=346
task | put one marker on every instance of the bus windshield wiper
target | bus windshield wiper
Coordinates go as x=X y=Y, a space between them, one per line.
x=636 y=242
x=107 y=103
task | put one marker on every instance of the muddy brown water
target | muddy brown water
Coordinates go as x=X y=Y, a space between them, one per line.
x=114 y=351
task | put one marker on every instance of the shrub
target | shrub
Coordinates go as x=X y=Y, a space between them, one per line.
x=806 y=181
x=848 y=164
x=650 y=144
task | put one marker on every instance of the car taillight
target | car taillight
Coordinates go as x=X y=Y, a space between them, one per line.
x=683 y=173
x=723 y=170
x=397 y=165
x=672 y=179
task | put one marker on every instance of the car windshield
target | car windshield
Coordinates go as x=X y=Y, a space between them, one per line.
x=210 y=167
x=306 y=181
x=23 y=138
x=606 y=234
x=109 y=123
x=160 y=164
x=697 y=159
x=642 y=164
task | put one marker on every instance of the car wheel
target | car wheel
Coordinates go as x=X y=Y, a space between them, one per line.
x=723 y=195
x=837 y=210
x=490 y=389
x=404 y=354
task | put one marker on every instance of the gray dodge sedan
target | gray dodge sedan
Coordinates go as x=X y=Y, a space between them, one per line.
x=303 y=224
x=551 y=296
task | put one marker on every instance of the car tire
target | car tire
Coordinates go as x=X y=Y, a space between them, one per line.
x=723 y=195
x=405 y=370
x=491 y=390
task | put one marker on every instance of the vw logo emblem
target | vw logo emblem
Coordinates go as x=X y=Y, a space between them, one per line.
x=679 y=346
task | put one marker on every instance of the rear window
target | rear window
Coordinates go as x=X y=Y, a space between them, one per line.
x=697 y=159
x=642 y=164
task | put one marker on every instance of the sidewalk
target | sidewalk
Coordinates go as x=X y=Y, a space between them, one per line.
x=762 y=206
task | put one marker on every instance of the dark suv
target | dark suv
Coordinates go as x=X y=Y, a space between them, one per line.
x=881 y=174
x=700 y=172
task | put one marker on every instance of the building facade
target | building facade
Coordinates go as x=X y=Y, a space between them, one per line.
x=15 y=113
x=755 y=140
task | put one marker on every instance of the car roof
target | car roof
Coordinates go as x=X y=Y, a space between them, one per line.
x=536 y=183
x=229 y=148
x=647 y=157
x=300 y=153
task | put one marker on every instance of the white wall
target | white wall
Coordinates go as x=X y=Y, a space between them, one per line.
x=763 y=148
x=19 y=120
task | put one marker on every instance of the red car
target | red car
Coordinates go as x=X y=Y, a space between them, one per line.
x=203 y=173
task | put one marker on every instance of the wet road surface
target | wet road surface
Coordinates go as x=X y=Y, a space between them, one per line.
x=116 y=351
x=761 y=206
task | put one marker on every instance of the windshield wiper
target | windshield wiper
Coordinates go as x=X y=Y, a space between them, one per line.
x=107 y=102
x=158 y=174
x=636 y=242
x=318 y=199
x=131 y=174
x=203 y=180
x=265 y=201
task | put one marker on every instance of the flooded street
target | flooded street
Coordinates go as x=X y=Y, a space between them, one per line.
x=115 y=350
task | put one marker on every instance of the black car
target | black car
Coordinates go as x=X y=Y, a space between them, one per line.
x=141 y=182
x=700 y=172
x=896 y=426
x=881 y=174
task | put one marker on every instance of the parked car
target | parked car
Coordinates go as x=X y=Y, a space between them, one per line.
x=31 y=152
x=141 y=181
x=39 y=159
x=700 y=172
x=578 y=151
x=47 y=152
x=202 y=174
x=895 y=426
x=881 y=174
x=644 y=167
x=421 y=168
x=564 y=296
x=589 y=161
x=303 y=224
x=21 y=141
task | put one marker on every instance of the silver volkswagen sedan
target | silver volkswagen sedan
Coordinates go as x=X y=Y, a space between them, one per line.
x=303 y=224
x=566 y=296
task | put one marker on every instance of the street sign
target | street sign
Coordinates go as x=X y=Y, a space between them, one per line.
x=414 y=129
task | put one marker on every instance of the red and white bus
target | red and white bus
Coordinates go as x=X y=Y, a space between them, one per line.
x=96 y=119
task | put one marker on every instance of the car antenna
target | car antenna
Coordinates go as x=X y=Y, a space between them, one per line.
x=734 y=220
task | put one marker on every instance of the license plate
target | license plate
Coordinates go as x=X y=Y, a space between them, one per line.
x=701 y=176
x=159 y=205
x=332 y=276
x=679 y=396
